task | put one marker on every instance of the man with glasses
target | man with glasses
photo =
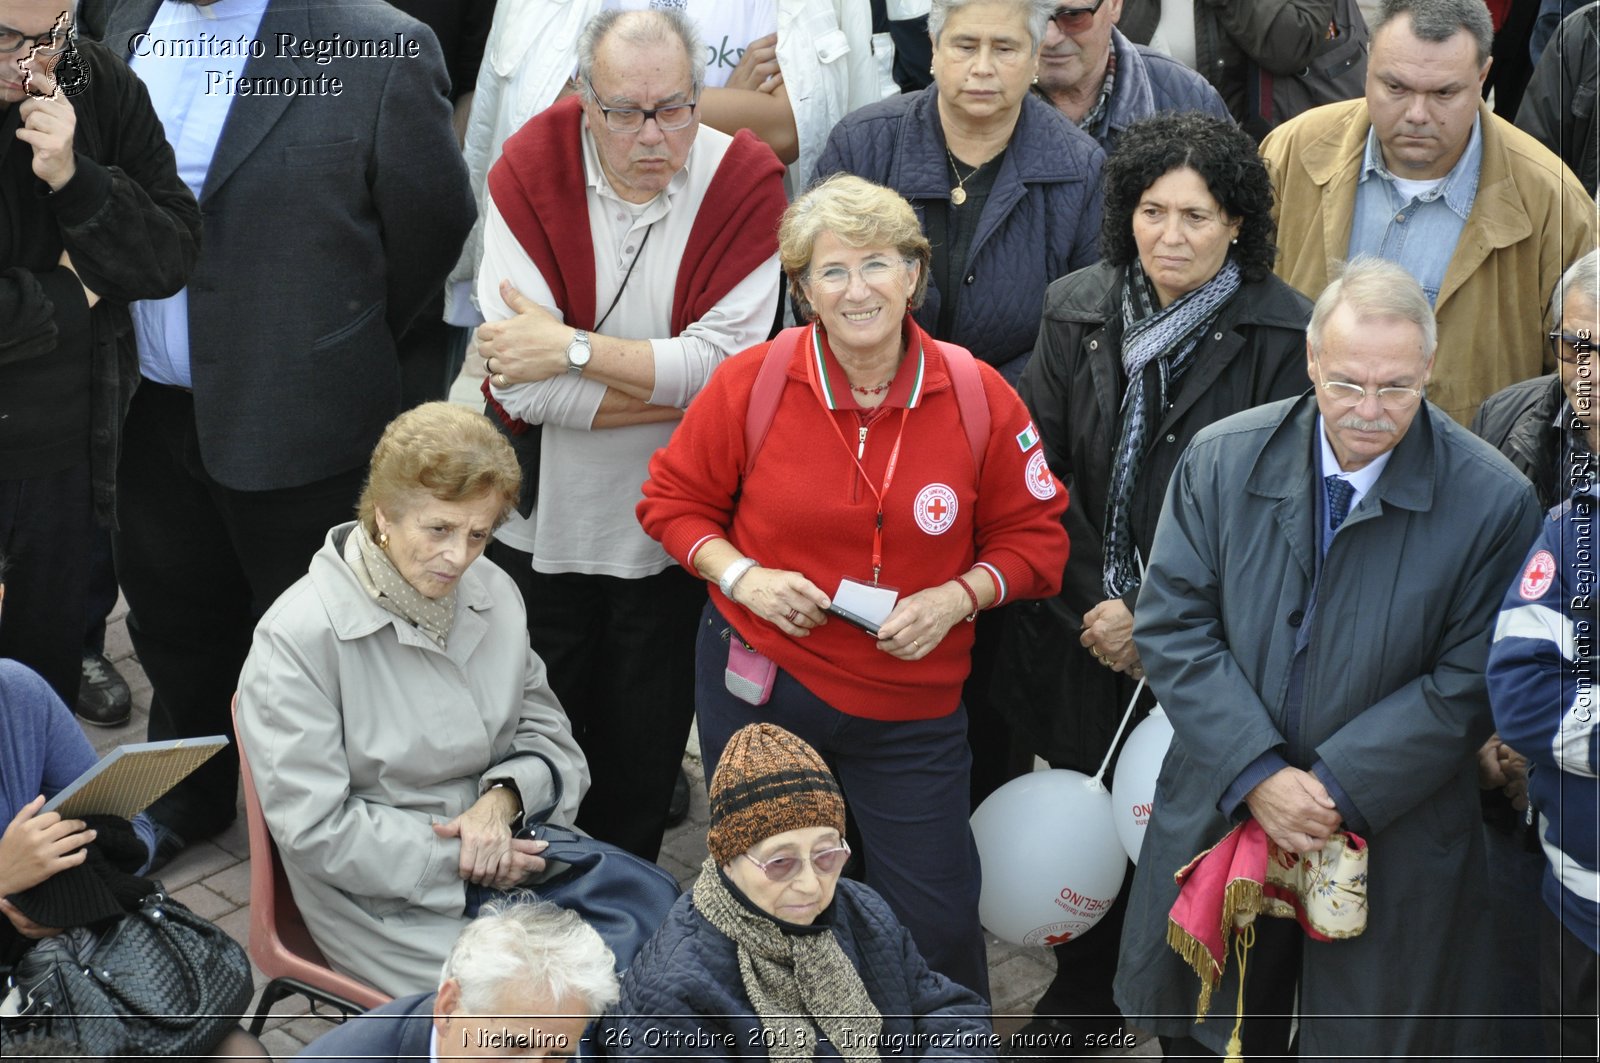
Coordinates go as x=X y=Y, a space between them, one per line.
x=92 y=216
x=1315 y=620
x=1104 y=82
x=627 y=252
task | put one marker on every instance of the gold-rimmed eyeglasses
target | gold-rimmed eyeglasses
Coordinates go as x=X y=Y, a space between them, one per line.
x=1348 y=395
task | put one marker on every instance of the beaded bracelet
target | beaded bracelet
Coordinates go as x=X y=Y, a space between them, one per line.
x=972 y=594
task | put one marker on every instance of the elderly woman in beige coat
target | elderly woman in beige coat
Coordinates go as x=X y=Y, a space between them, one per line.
x=397 y=723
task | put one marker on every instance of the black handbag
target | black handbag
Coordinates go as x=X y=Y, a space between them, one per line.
x=625 y=898
x=160 y=981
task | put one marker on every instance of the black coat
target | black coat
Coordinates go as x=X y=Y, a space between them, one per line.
x=1074 y=387
x=1559 y=107
x=1520 y=422
x=684 y=997
x=132 y=229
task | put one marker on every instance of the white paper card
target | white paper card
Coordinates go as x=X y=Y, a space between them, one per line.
x=872 y=604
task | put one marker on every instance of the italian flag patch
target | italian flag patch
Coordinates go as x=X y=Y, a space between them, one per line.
x=1027 y=438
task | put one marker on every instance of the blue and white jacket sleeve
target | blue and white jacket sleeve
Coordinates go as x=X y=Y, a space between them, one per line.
x=1542 y=663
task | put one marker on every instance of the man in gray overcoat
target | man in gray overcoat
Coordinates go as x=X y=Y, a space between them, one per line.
x=1315 y=620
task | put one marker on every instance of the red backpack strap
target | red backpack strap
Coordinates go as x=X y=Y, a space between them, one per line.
x=970 y=398
x=767 y=391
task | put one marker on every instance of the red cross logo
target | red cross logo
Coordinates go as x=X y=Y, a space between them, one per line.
x=936 y=508
x=1058 y=939
x=1536 y=579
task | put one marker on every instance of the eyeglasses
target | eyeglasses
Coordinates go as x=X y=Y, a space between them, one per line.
x=1570 y=348
x=785 y=867
x=1350 y=395
x=669 y=119
x=873 y=272
x=1075 y=19
x=48 y=44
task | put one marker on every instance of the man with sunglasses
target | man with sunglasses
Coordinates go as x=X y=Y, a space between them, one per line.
x=1315 y=620
x=1549 y=429
x=1541 y=679
x=627 y=252
x=92 y=216
x=1104 y=82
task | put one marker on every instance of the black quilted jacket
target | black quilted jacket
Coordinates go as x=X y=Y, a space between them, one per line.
x=683 y=996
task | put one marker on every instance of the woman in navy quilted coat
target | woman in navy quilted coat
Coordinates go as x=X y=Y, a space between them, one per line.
x=771 y=955
x=1008 y=190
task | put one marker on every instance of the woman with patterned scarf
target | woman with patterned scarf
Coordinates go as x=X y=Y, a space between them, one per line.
x=396 y=723
x=771 y=955
x=1180 y=325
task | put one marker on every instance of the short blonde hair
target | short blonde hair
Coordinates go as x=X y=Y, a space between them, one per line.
x=859 y=213
x=443 y=450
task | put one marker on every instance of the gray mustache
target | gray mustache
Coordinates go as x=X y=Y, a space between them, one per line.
x=1359 y=425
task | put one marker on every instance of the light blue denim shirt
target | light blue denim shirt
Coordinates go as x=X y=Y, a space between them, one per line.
x=1419 y=235
x=188 y=96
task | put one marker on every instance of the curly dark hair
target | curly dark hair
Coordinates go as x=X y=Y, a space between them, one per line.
x=1221 y=153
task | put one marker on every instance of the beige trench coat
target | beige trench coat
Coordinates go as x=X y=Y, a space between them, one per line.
x=362 y=733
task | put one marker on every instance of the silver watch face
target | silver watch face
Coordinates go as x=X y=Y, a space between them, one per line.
x=578 y=352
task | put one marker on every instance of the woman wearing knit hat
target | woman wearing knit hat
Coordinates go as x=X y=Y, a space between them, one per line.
x=771 y=955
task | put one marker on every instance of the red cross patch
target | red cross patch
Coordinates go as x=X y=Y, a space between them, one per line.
x=935 y=509
x=1536 y=579
x=1039 y=480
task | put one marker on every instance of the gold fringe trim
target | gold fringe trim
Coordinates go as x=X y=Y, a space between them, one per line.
x=1242 y=896
x=1197 y=956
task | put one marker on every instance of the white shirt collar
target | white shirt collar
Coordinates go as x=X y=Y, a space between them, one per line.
x=1362 y=479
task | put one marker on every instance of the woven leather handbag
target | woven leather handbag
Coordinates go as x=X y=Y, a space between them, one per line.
x=160 y=981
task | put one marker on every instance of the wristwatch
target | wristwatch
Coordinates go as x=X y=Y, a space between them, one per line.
x=578 y=352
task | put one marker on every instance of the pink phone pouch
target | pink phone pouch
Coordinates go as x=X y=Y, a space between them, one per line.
x=749 y=676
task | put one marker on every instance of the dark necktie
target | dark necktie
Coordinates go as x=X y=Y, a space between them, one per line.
x=1339 y=494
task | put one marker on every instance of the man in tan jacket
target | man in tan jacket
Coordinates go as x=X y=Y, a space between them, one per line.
x=1422 y=173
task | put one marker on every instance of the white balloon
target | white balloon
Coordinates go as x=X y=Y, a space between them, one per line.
x=1051 y=860
x=1133 y=795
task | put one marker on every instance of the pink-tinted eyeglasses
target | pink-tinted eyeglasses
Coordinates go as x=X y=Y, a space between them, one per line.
x=785 y=867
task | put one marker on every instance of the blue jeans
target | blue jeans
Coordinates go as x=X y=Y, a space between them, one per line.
x=906 y=785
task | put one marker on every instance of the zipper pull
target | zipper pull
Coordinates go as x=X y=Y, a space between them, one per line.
x=861 y=445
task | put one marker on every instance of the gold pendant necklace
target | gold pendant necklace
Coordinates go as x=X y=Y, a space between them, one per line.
x=958 y=194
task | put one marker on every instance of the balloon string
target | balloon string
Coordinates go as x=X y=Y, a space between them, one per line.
x=1126 y=716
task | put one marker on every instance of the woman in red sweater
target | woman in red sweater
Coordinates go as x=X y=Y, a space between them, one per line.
x=854 y=491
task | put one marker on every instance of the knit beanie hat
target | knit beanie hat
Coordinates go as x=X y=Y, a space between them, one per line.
x=767 y=782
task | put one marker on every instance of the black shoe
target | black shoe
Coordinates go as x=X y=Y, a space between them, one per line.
x=104 y=699
x=678 y=807
x=169 y=843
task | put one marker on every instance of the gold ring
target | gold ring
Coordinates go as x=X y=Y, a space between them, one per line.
x=916 y=644
x=794 y=614
x=500 y=381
